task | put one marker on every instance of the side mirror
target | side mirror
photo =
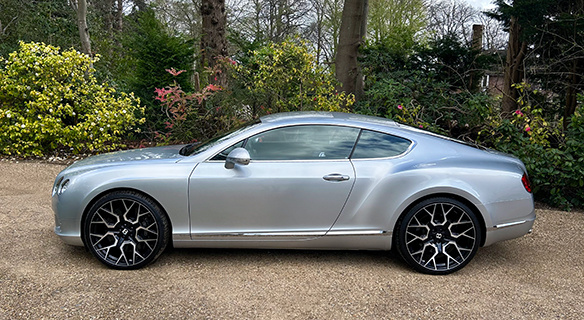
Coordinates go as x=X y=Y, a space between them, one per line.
x=237 y=156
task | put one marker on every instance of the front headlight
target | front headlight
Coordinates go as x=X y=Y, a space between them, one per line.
x=56 y=186
x=61 y=186
x=64 y=186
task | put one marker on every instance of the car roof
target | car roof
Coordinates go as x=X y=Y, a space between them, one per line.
x=325 y=116
x=371 y=122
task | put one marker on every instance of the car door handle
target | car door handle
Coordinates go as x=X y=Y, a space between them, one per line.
x=336 y=177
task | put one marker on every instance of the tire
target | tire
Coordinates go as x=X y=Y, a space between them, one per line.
x=438 y=236
x=126 y=230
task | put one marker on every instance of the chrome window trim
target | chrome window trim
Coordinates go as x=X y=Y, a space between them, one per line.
x=410 y=147
x=286 y=126
x=284 y=161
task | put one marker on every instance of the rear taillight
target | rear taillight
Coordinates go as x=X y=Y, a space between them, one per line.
x=526 y=183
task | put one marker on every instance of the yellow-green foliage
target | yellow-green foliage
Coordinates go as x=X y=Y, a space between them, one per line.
x=50 y=99
x=286 y=77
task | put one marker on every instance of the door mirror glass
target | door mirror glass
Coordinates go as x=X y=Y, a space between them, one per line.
x=237 y=156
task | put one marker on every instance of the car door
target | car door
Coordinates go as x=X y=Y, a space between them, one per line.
x=296 y=184
x=376 y=158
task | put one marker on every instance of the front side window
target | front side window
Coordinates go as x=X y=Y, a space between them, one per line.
x=373 y=144
x=307 y=142
x=222 y=156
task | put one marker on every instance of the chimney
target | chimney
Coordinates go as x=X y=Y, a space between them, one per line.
x=477 y=37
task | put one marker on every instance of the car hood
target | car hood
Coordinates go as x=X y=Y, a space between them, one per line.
x=128 y=156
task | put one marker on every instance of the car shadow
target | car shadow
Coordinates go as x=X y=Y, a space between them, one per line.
x=499 y=256
x=247 y=257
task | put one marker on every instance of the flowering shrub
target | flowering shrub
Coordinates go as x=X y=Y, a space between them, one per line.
x=554 y=158
x=187 y=117
x=50 y=99
x=526 y=126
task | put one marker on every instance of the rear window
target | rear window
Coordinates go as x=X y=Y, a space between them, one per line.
x=374 y=144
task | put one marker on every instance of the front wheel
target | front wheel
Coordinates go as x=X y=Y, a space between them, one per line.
x=438 y=236
x=126 y=230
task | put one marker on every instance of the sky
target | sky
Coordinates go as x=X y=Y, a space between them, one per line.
x=481 y=4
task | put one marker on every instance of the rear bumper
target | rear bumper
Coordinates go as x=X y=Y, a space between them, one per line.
x=510 y=230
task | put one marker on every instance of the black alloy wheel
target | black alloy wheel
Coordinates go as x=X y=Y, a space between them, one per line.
x=438 y=236
x=126 y=230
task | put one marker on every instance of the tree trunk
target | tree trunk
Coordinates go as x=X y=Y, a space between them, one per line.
x=106 y=10
x=213 y=43
x=279 y=22
x=80 y=7
x=571 y=94
x=319 y=37
x=514 y=72
x=477 y=47
x=352 y=35
x=120 y=15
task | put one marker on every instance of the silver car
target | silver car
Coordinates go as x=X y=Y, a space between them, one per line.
x=306 y=180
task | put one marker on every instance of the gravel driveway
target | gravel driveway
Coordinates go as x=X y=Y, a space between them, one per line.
x=537 y=276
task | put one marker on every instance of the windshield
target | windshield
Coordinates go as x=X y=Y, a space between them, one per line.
x=196 y=148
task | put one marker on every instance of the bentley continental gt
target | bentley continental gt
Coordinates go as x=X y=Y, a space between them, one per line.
x=303 y=180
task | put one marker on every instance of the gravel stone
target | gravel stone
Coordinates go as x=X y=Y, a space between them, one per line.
x=533 y=277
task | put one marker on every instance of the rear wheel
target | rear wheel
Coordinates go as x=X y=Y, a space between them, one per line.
x=438 y=236
x=126 y=230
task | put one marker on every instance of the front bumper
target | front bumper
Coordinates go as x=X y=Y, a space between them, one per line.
x=68 y=229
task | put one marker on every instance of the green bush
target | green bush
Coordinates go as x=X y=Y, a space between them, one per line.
x=429 y=88
x=276 y=77
x=413 y=98
x=50 y=99
x=554 y=158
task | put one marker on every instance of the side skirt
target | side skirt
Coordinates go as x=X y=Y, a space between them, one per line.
x=333 y=240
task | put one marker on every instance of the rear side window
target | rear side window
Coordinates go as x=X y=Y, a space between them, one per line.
x=373 y=144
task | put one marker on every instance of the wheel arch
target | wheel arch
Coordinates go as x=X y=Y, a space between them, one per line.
x=103 y=193
x=462 y=199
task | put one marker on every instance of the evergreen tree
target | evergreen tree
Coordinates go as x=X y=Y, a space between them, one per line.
x=152 y=50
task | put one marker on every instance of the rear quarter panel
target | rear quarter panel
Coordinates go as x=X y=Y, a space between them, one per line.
x=385 y=188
